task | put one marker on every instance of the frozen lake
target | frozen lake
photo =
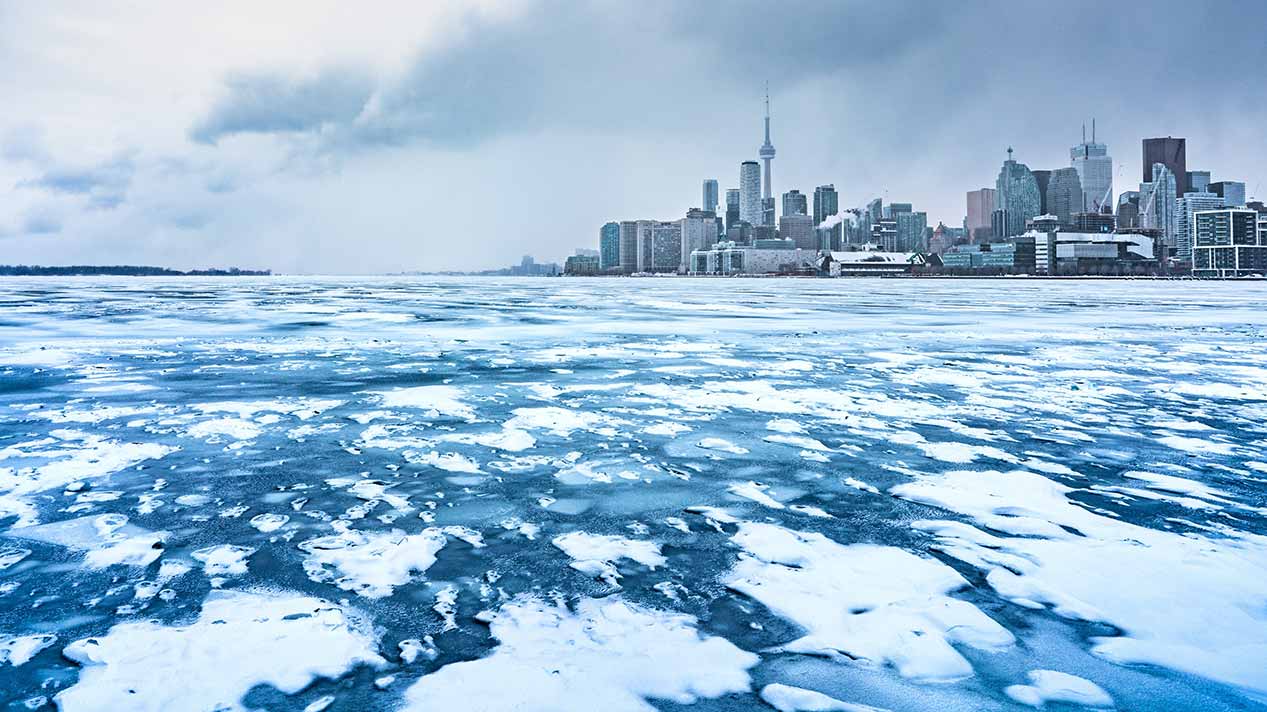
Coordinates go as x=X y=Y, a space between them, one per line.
x=632 y=494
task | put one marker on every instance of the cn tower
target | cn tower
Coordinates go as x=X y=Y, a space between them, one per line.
x=767 y=149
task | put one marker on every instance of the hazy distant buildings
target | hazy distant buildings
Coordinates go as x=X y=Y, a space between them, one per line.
x=1171 y=153
x=1064 y=195
x=710 y=195
x=1095 y=173
x=1232 y=192
x=767 y=212
x=1228 y=244
x=799 y=228
x=826 y=205
x=980 y=207
x=1185 y=208
x=609 y=246
x=732 y=207
x=795 y=203
x=1016 y=195
x=1198 y=182
x=750 y=193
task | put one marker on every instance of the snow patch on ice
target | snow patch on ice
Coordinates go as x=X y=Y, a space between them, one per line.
x=371 y=563
x=596 y=554
x=1052 y=686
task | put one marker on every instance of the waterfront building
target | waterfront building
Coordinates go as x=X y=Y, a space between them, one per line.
x=1232 y=192
x=1185 y=225
x=1094 y=222
x=1075 y=253
x=1064 y=195
x=609 y=246
x=1170 y=152
x=750 y=193
x=699 y=231
x=773 y=257
x=795 y=203
x=586 y=265
x=710 y=195
x=1016 y=194
x=629 y=230
x=856 y=263
x=884 y=234
x=1013 y=257
x=1229 y=242
x=659 y=246
x=799 y=228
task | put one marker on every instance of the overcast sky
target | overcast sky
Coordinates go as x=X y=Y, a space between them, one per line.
x=328 y=136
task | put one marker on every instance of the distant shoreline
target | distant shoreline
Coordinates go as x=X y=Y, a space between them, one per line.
x=123 y=271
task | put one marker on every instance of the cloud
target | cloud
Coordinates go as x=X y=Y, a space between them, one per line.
x=269 y=103
x=104 y=185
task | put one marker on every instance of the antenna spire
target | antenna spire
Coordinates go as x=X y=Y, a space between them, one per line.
x=1093 y=129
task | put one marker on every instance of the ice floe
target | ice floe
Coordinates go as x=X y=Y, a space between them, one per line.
x=876 y=604
x=786 y=698
x=435 y=401
x=371 y=563
x=1053 y=686
x=239 y=640
x=596 y=554
x=608 y=654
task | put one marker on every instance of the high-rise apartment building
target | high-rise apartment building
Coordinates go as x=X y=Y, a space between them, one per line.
x=795 y=203
x=750 y=192
x=1095 y=173
x=1173 y=154
x=710 y=195
x=1226 y=244
x=1064 y=195
x=629 y=234
x=1016 y=195
x=1185 y=207
x=699 y=232
x=609 y=246
x=911 y=226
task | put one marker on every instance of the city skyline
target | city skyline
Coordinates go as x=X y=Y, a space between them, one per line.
x=372 y=155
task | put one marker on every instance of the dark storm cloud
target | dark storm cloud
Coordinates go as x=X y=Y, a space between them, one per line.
x=266 y=103
x=599 y=65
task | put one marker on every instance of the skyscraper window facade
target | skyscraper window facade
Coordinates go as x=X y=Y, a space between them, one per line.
x=750 y=193
x=827 y=204
x=1095 y=173
x=732 y=207
x=795 y=203
x=1157 y=202
x=1173 y=154
x=609 y=246
x=1185 y=208
x=1016 y=194
x=710 y=195
x=1064 y=195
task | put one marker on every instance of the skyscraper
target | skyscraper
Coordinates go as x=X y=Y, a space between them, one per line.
x=710 y=195
x=1198 y=182
x=1157 y=203
x=767 y=154
x=827 y=204
x=1173 y=154
x=1042 y=178
x=1095 y=172
x=795 y=203
x=732 y=207
x=1064 y=195
x=1016 y=195
x=609 y=246
x=799 y=228
x=699 y=232
x=750 y=192
x=910 y=230
x=980 y=207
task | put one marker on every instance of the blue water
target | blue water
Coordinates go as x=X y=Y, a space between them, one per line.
x=1090 y=375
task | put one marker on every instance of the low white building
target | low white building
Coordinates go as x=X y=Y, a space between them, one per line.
x=874 y=262
x=728 y=258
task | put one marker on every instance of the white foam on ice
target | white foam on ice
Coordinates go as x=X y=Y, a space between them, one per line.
x=878 y=604
x=723 y=445
x=223 y=559
x=17 y=650
x=437 y=401
x=786 y=698
x=1189 y=602
x=596 y=554
x=756 y=492
x=302 y=408
x=371 y=563
x=105 y=539
x=1054 y=686
x=509 y=439
x=69 y=456
x=557 y=421
x=236 y=428
x=239 y=640
x=608 y=655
